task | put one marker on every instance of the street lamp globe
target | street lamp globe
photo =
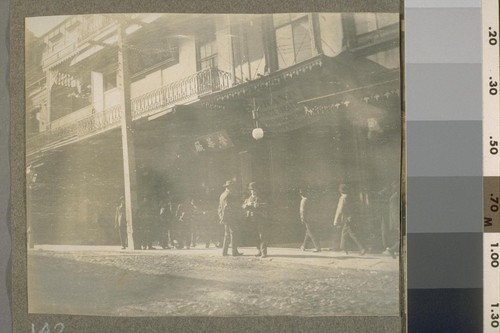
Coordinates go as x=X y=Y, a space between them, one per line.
x=258 y=133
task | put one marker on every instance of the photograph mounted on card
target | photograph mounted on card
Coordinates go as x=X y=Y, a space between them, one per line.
x=214 y=164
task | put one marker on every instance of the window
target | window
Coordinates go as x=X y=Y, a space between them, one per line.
x=206 y=50
x=248 y=50
x=55 y=40
x=368 y=32
x=149 y=54
x=294 y=41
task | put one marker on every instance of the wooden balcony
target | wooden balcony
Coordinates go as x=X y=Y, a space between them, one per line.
x=183 y=91
x=87 y=27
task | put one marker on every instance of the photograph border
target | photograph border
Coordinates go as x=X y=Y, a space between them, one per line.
x=22 y=321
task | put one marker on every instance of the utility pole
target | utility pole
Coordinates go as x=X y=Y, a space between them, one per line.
x=128 y=148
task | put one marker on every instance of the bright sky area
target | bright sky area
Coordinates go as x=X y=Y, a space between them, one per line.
x=40 y=25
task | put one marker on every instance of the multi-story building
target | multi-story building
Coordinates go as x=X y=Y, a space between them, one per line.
x=287 y=100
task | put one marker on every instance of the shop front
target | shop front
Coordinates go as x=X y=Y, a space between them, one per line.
x=327 y=122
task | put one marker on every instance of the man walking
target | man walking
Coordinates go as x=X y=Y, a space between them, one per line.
x=229 y=211
x=256 y=215
x=306 y=220
x=344 y=218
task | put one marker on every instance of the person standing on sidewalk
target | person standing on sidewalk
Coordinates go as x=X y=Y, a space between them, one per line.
x=166 y=222
x=185 y=215
x=255 y=210
x=121 y=223
x=210 y=229
x=344 y=218
x=306 y=220
x=229 y=215
x=148 y=219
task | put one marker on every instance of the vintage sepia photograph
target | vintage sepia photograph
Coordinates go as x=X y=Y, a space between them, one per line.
x=214 y=164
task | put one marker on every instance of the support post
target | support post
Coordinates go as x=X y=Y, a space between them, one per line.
x=129 y=168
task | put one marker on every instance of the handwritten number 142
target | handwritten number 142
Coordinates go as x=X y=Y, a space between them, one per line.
x=58 y=328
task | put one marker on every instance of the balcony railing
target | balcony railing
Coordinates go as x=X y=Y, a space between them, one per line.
x=203 y=82
x=183 y=91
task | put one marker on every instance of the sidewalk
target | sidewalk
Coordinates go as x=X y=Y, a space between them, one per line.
x=276 y=255
x=105 y=280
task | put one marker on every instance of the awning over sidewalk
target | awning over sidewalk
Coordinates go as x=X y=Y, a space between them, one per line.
x=315 y=91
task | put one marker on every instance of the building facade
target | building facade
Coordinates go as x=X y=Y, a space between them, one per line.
x=286 y=100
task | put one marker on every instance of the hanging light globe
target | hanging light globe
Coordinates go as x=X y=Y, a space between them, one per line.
x=258 y=133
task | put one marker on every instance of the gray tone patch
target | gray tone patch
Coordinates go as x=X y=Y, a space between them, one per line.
x=445 y=260
x=444 y=149
x=443 y=92
x=442 y=3
x=444 y=204
x=443 y=35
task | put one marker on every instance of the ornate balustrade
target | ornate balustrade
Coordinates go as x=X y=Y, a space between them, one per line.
x=99 y=121
x=187 y=89
x=203 y=82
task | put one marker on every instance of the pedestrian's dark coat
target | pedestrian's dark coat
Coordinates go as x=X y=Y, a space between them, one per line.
x=166 y=213
x=229 y=208
x=256 y=214
x=255 y=207
x=186 y=211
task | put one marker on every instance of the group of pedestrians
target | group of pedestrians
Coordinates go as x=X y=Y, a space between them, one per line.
x=177 y=225
x=230 y=210
x=344 y=219
x=180 y=225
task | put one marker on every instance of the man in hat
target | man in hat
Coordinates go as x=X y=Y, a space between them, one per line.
x=229 y=211
x=344 y=218
x=121 y=223
x=255 y=212
x=306 y=220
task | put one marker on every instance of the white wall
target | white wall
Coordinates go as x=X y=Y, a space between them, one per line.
x=187 y=62
x=111 y=98
x=97 y=89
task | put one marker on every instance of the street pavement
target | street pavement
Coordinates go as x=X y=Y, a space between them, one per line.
x=105 y=280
